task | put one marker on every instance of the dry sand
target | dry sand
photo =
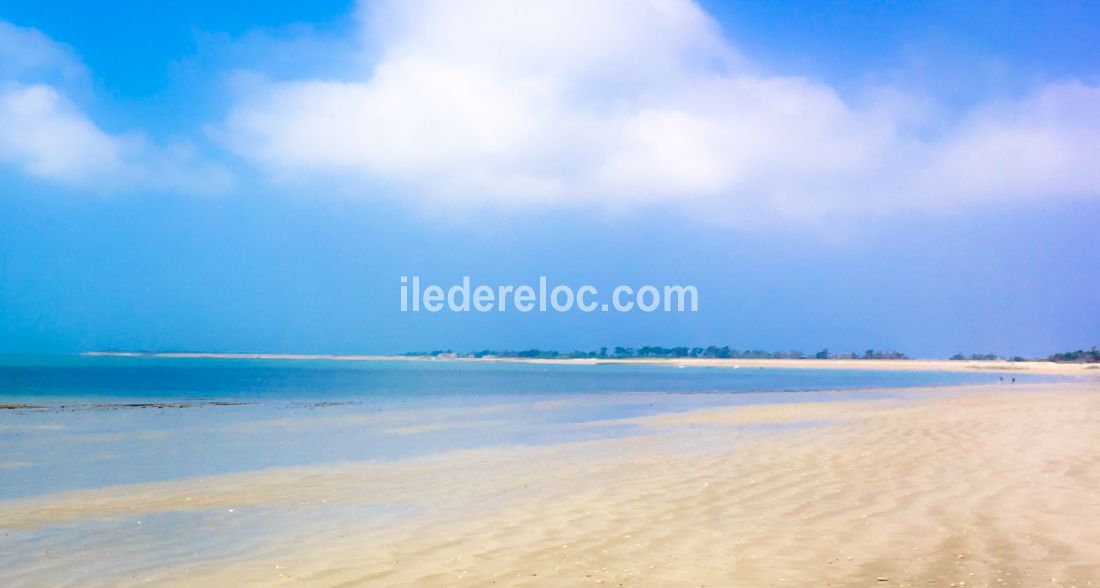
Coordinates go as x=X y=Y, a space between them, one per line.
x=968 y=486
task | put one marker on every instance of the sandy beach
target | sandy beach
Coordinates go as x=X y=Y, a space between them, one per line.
x=938 y=365
x=549 y=294
x=962 y=486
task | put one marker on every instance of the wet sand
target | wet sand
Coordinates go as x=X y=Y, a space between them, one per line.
x=963 y=486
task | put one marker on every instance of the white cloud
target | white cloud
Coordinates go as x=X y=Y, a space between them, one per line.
x=27 y=51
x=625 y=102
x=46 y=135
x=49 y=138
x=1046 y=144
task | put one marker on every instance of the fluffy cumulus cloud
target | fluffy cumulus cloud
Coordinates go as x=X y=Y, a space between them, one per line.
x=48 y=137
x=44 y=134
x=626 y=102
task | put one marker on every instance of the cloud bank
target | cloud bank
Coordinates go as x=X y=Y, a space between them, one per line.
x=610 y=105
x=623 y=103
x=46 y=135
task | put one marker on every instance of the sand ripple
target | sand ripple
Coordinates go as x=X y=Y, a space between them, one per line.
x=960 y=487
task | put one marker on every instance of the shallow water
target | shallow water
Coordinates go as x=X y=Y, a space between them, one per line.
x=80 y=422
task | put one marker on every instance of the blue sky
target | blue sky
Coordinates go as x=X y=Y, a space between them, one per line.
x=256 y=176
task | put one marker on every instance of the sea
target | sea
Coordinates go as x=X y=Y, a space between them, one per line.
x=72 y=422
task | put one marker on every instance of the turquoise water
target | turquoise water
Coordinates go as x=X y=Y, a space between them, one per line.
x=80 y=379
x=77 y=422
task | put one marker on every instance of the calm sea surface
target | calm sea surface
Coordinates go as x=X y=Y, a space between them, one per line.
x=76 y=422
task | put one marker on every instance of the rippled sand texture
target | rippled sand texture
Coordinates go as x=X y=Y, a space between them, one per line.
x=984 y=486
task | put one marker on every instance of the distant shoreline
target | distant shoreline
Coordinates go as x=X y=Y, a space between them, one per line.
x=946 y=365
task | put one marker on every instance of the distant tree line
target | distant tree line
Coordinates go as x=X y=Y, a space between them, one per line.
x=657 y=352
x=979 y=357
x=1079 y=356
x=726 y=352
